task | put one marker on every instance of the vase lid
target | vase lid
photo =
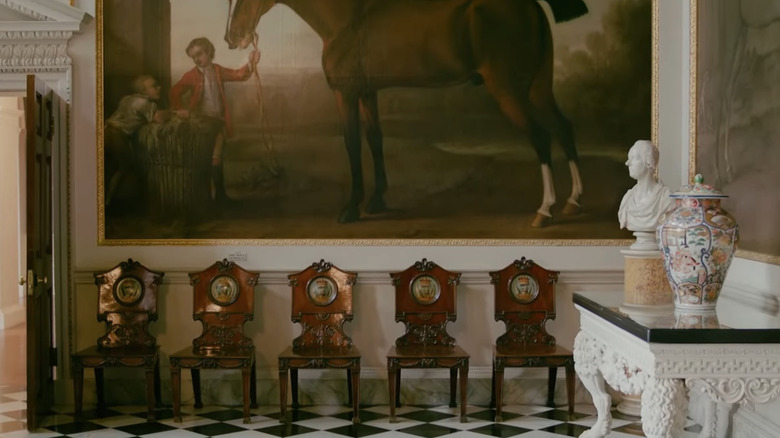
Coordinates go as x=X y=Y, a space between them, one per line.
x=698 y=190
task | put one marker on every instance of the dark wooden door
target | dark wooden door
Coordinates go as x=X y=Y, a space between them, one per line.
x=39 y=112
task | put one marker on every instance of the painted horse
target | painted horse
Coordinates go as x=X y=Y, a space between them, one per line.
x=369 y=45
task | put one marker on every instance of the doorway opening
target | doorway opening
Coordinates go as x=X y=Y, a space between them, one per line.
x=13 y=337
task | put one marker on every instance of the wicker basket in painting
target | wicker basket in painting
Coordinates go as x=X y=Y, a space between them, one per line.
x=176 y=157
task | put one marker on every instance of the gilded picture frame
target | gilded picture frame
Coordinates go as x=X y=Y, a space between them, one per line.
x=735 y=114
x=458 y=172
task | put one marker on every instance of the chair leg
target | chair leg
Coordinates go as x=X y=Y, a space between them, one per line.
x=196 y=387
x=78 y=388
x=246 y=375
x=392 y=383
x=355 y=394
x=176 y=389
x=157 y=386
x=398 y=388
x=150 y=389
x=493 y=386
x=349 y=387
x=453 y=385
x=552 y=376
x=570 y=389
x=282 y=392
x=498 y=390
x=101 y=398
x=253 y=387
x=464 y=383
x=294 y=387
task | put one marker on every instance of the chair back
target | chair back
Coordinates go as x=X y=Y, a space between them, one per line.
x=425 y=302
x=223 y=300
x=321 y=304
x=127 y=303
x=524 y=301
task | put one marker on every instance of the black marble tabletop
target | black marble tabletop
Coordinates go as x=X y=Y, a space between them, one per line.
x=731 y=322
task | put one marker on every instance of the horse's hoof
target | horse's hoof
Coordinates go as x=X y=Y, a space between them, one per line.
x=376 y=206
x=541 y=221
x=349 y=214
x=571 y=209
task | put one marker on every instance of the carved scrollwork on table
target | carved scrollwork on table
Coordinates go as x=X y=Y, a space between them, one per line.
x=591 y=356
x=738 y=389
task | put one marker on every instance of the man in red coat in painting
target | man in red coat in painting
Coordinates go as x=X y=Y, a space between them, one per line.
x=205 y=94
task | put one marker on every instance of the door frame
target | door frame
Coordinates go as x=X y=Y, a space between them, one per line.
x=14 y=84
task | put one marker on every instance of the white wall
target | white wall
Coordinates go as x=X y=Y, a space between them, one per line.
x=11 y=148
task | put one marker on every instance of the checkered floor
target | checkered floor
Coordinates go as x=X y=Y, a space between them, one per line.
x=527 y=421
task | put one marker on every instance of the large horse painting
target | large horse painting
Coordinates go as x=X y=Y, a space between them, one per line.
x=485 y=120
x=504 y=44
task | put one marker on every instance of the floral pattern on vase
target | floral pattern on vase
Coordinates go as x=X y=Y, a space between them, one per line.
x=697 y=239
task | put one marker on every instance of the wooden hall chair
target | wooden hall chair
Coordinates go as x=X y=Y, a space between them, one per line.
x=127 y=303
x=223 y=300
x=525 y=301
x=321 y=303
x=425 y=303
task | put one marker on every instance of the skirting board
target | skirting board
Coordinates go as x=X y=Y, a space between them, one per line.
x=328 y=387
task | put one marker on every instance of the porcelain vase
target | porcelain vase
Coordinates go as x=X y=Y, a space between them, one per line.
x=697 y=239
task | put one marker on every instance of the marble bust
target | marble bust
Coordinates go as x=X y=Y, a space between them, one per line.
x=644 y=204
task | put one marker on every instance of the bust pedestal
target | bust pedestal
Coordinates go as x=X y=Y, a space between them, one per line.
x=645 y=282
x=646 y=293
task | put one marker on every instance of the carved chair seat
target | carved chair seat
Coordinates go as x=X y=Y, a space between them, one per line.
x=127 y=302
x=321 y=303
x=425 y=303
x=525 y=301
x=223 y=300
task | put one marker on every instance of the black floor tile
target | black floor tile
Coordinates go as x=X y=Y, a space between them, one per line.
x=500 y=430
x=560 y=415
x=490 y=415
x=230 y=414
x=286 y=429
x=215 y=429
x=357 y=430
x=145 y=428
x=566 y=429
x=364 y=416
x=71 y=428
x=294 y=415
x=426 y=415
x=428 y=430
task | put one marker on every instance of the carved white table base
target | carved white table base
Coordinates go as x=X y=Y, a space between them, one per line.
x=664 y=373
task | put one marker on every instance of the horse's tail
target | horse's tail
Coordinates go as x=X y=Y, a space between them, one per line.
x=565 y=10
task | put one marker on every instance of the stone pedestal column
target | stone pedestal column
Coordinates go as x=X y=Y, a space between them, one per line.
x=646 y=294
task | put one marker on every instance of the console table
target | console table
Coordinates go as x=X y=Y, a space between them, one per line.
x=732 y=355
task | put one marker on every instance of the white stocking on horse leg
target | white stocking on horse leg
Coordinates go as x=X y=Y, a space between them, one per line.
x=543 y=215
x=573 y=203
